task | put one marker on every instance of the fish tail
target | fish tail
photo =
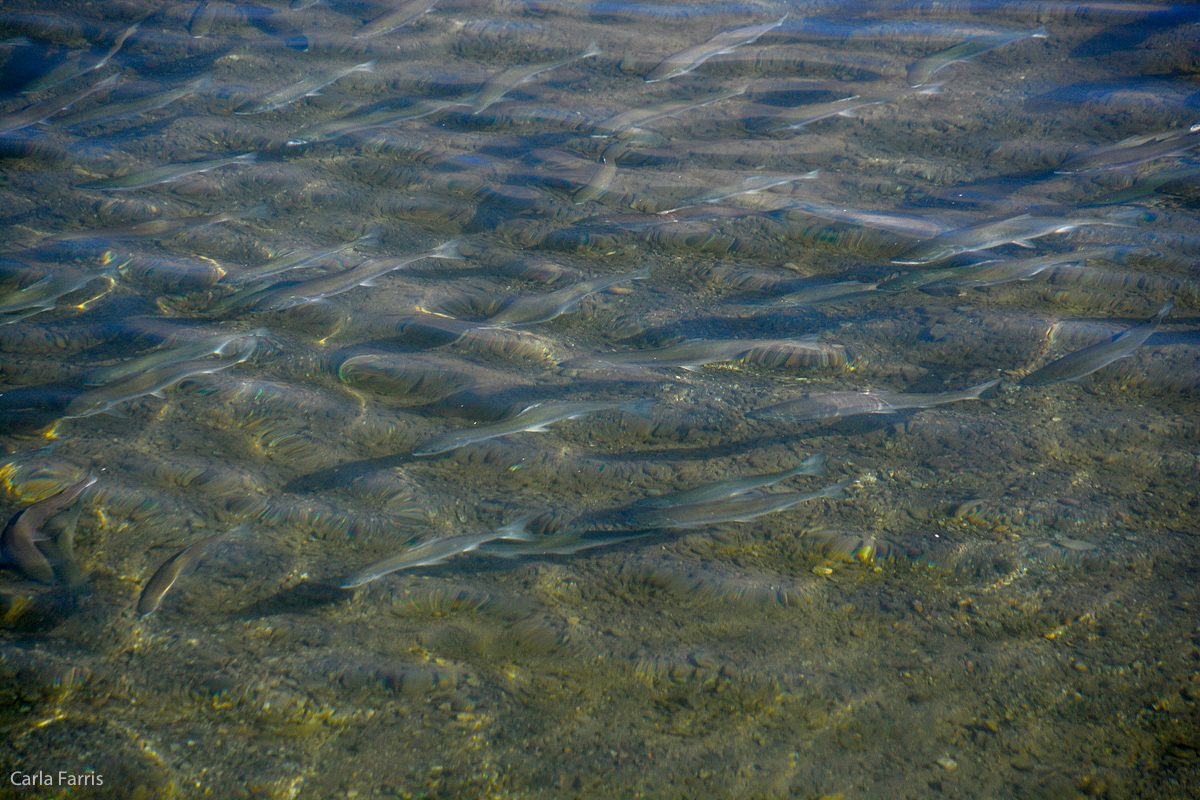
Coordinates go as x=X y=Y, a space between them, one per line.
x=448 y=250
x=517 y=529
x=975 y=391
x=813 y=465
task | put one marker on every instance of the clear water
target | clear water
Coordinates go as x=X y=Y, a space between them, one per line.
x=1001 y=603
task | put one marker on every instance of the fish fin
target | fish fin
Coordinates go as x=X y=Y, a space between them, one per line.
x=369 y=282
x=448 y=250
x=976 y=391
x=366 y=66
x=813 y=465
x=112 y=412
x=517 y=528
x=1023 y=243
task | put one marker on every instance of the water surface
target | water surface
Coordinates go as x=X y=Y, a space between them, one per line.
x=999 y=603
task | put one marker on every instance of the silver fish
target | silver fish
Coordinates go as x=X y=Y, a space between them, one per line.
x=306 y=88
x=298 y=259
x=435 y=551
x=136 y=106
x=1131 y=152
x=336 y=283
x=736 y=509
x=836 y=291
x=529 y=310
x=533 y=419
x=75 y=67
x=160 y=228
x=405 y=12
x=1074 y=366
x=921 y=70
x=895 y=222
x=210 y=345
x=599 y=182
x=993 y=272
x=168 y=573
x=152 y=381
x=202 y=19
x=694 y=353
x=499 y=85
x=620 y=124
x=993 y=233
x=23 y=530
x=732 y=487
x=751 y=185
x=167 y=173
x=45 y=109
x=848 y=404
x=45 y=293
x=726 y=42
x=364 y=120
x=797 y=118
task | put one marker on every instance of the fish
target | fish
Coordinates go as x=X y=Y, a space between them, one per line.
x=688 y=59
x=298 y=259
x=45 y=109
x=1074 y=366
x=849 y=404
x=532 y=419
x=894 y=222
x=45 y=293
x=693 y=353
x=545 y=307
x=627 y=122
x=366 y=119
x=108 y=112
x=73 y=68
x=403 y=13
x=168 y=573
x=160 y=228
x=201 y=20
x=993 y=233
x=801 y=116
x=735 y=509
x=499 y=85
x=599 y=182
x=209 y=345
x=1132 y=151
x=17 y=542
x=152 y=381
x=324 y=286
x=751 y=185
x=732 y=487
x=994 y=271
x=835 y=291
x=921 y=70
x=168 y=173
x=306 y=88
x=435 y=551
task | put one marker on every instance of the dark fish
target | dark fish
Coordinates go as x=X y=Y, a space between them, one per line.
x=17 y=541
x=166 y=575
